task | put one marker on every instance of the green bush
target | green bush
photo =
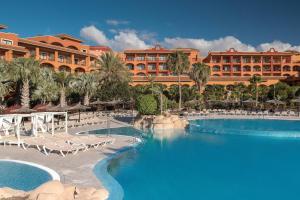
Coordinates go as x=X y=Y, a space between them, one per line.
x=146 y=104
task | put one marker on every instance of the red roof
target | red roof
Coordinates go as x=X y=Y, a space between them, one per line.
x=158 y=49
x=232 y=51
x=100 y=48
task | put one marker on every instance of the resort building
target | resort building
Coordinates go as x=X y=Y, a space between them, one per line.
x=147 y=63
x=234 y=66
x=60 y=52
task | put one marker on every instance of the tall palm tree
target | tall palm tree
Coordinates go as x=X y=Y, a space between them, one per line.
x=112 y=73
x=86 y=84
x=200 y=73
x=63 y=79
x=5 y=84
x=26 y=71
x=178 y=63
x=47 y=88
x=255 y=80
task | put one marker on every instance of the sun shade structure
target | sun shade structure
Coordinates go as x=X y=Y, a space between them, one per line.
x=250 y=101
x=39 y=123
x=275 y=102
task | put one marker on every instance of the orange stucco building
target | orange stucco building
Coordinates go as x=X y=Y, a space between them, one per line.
x=147 y=63
x=227 y=67
x=59 y=52
x=64 y=52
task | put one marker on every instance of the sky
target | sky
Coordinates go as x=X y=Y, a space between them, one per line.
x=211 y=25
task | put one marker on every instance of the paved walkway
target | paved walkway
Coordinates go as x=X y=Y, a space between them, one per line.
x=73 y=169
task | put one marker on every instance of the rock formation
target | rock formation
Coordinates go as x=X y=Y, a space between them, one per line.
x=54 y=190
x=160 y=122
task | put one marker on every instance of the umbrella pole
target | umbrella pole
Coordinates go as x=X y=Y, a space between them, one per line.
x=79 y=115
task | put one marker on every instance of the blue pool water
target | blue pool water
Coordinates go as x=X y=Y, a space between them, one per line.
x=22 y=176
x=213 y=160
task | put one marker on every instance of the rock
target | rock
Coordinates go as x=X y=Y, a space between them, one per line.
x=69 y=193
x=52 y=187
x=6 y=193
x=92 y=194
x=49 y=196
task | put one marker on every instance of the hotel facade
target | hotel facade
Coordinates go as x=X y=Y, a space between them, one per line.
x=65 y=53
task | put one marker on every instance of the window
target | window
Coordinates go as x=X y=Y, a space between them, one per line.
x=43 y=56
x=61 y=58
x=140 y=66
x=162 y=58
x=84 y=50
x=151 y=66
x=130 y=58
x=140 y=58
x=151 y=57
x=163 y=66
x=7 y=41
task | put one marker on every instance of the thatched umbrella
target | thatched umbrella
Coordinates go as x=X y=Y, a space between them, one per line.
x=43 y=107
x=250 y=101
x=23 y=110
x=78 y=107
x=297 y=101
x=59 y=108
x=275 y=102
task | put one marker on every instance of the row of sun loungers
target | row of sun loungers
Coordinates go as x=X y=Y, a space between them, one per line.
x=241 y=112
x=62 y=144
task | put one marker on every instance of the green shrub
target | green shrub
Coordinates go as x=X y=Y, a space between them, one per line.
x=146 y=104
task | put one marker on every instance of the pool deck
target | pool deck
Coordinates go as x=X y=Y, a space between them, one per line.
x=73 y=169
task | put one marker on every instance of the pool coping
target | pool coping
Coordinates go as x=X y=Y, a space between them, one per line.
x=113 y=187
x=51 y=172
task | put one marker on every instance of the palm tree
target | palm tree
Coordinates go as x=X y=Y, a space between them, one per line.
x=47 y=88
x=178 y=63
x=255 y=80
x=112 y=69
x=200 y=73
x=5 y=84
x=86 y=84
x=26 y=71
x=63 y=79
x=113 y=74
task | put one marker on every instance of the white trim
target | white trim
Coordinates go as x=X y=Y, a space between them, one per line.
x=51 y=172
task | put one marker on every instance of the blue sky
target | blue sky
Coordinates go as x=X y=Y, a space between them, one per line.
x=206 y=25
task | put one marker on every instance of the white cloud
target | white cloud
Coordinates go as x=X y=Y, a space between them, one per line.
x=124 y=39
x=132 y=39
x=221 y=44
x=278 y=46
x=115 y=22
x=93 y=34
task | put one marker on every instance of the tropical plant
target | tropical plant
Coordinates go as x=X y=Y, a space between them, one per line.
x=85 y=84
x=146 y=104
x=5 y=84
x=46 y=89
x=112 y=69
x=255 y=80
x=178 y=63
x=25 y=71
x=200 y=73
x=63 y=79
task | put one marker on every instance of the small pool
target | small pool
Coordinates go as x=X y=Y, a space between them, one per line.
x=24 y=175
x=215 y=159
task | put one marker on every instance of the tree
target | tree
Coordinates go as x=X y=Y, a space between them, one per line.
x=112 y=69
x=178 y=63
x=255 y=80
x=113 y=75
x=26 y=71
x=200 y=73
x=63 y=79
x=47 y=88
x=85 y=84
x=5 y=84
x=146 y=104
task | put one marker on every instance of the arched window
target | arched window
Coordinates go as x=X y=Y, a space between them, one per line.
x=64 y=68
x=141 y=74
x=286 y=68
x=247 y=68
x=140 y=66
x=257 y=68
x=296 y=68
x=130 y=66
x=216 y=68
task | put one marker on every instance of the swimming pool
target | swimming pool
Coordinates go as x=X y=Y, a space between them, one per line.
x=213 y=161
x=24 y=175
